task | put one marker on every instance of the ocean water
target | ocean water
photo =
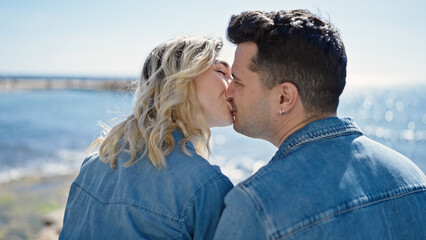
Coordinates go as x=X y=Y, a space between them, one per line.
x=47 y=132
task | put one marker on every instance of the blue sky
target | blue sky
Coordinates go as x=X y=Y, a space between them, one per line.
x=385 y=40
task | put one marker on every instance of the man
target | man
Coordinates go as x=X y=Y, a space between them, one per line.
x=327 y=180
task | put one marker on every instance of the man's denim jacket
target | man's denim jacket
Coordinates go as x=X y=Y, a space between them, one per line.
x=329 y=181
x=182 y=201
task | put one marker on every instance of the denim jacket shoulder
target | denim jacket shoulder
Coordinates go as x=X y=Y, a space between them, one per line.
x=182 y=200
x=326 y=170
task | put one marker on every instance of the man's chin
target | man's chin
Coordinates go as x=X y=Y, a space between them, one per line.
x=237 y=127
x=246 y=131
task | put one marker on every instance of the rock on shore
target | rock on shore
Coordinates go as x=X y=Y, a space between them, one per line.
x=33 y=207
x=52 y=225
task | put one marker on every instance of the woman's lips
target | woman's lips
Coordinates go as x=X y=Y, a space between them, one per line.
x=231 y=106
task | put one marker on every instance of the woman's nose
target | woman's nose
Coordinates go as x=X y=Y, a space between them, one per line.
x=228 y=81
x=230 y=90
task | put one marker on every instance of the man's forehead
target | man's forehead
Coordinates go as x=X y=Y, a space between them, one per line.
x=246 y=48
x=244 y=53
x=243 y=58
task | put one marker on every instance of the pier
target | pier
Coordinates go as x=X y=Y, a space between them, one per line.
x=58 y=83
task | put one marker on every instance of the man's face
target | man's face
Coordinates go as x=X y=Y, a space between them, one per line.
x=251 y=108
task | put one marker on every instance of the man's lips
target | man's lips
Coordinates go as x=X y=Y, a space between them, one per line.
x=231 y=105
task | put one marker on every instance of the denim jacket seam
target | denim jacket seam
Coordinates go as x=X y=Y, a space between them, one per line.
x=317 y=137
x=352 y=205
x=189 y=203
x=127 y=203
x=251 y=195
x=253 y=178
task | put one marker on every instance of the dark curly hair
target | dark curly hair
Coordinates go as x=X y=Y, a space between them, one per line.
x=295 y=46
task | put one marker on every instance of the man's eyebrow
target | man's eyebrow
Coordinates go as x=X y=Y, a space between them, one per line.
x=221 y=62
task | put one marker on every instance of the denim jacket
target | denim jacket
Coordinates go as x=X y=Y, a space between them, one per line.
x=329 y=181
x=182 y=201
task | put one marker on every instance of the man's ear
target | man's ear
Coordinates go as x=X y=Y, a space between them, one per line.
x=288 y=96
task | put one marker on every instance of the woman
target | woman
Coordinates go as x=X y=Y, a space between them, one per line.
x=157 y=186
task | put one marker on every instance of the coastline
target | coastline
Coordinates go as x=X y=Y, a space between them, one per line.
x=33 y=207
x=57 y=83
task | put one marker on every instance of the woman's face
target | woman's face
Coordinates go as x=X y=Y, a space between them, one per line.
x=210 y=88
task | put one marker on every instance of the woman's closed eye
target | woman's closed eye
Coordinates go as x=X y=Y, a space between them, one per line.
x=221 y=72
x=223 y=68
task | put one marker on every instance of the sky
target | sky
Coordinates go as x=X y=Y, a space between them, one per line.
x=384 y=40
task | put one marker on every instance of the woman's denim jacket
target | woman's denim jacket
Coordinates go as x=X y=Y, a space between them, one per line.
x=329 y=181
x=182 y=201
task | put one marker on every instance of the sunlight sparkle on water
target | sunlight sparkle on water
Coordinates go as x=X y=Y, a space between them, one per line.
x=411 y=125
x=389 y=103
x=399 y=106
x=367 y=103
x=407 y=135
x=389 y=116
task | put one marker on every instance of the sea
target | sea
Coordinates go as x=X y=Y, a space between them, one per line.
x=47 y=132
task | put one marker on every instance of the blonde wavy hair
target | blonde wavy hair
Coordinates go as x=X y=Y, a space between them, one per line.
x=165 y=100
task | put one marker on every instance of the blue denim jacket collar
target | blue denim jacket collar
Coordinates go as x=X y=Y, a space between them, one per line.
x=178 y=136
x=316 y=130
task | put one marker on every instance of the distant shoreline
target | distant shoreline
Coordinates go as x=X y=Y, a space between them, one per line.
x=58 y=83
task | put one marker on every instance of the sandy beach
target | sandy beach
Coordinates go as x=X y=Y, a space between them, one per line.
x=32 y=208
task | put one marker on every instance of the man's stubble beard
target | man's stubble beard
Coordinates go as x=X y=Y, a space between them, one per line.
x=256 y=123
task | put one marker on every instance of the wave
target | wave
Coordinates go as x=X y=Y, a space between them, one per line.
x=63 y=162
